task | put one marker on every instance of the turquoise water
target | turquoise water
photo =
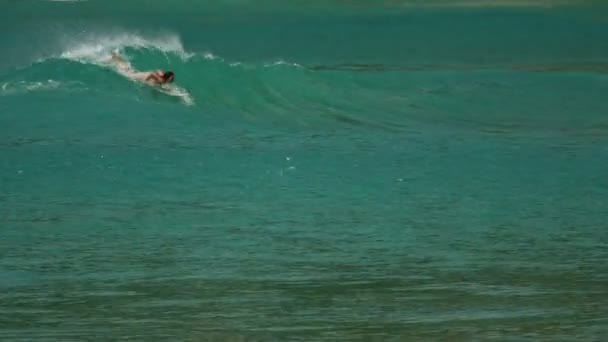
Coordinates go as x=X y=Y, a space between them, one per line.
x=322 y=171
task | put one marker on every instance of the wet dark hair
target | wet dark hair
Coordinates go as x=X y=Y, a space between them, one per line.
x=167 y=75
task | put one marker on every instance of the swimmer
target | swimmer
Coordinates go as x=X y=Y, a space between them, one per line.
x=157 y=77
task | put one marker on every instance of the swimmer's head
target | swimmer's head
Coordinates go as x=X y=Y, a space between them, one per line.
x=168 y=76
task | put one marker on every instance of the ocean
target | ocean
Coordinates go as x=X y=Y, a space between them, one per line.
x=319 y=171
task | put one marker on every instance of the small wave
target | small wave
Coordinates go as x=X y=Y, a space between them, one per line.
x=203 y=78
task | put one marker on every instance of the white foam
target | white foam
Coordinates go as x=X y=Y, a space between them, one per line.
x=97 y=48
x=282 y=62
x=209 y=56
x=50 y=84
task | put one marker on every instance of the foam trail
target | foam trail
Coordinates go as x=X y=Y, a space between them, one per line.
x=11 y=88
x=282 y=63
x=177 y=91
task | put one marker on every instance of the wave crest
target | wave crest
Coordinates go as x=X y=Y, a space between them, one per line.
x=98 y=48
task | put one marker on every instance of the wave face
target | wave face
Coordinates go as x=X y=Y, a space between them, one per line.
x=319 y=171
x=382 y=96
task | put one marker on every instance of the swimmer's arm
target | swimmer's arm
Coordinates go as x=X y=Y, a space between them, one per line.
x=153 y=77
